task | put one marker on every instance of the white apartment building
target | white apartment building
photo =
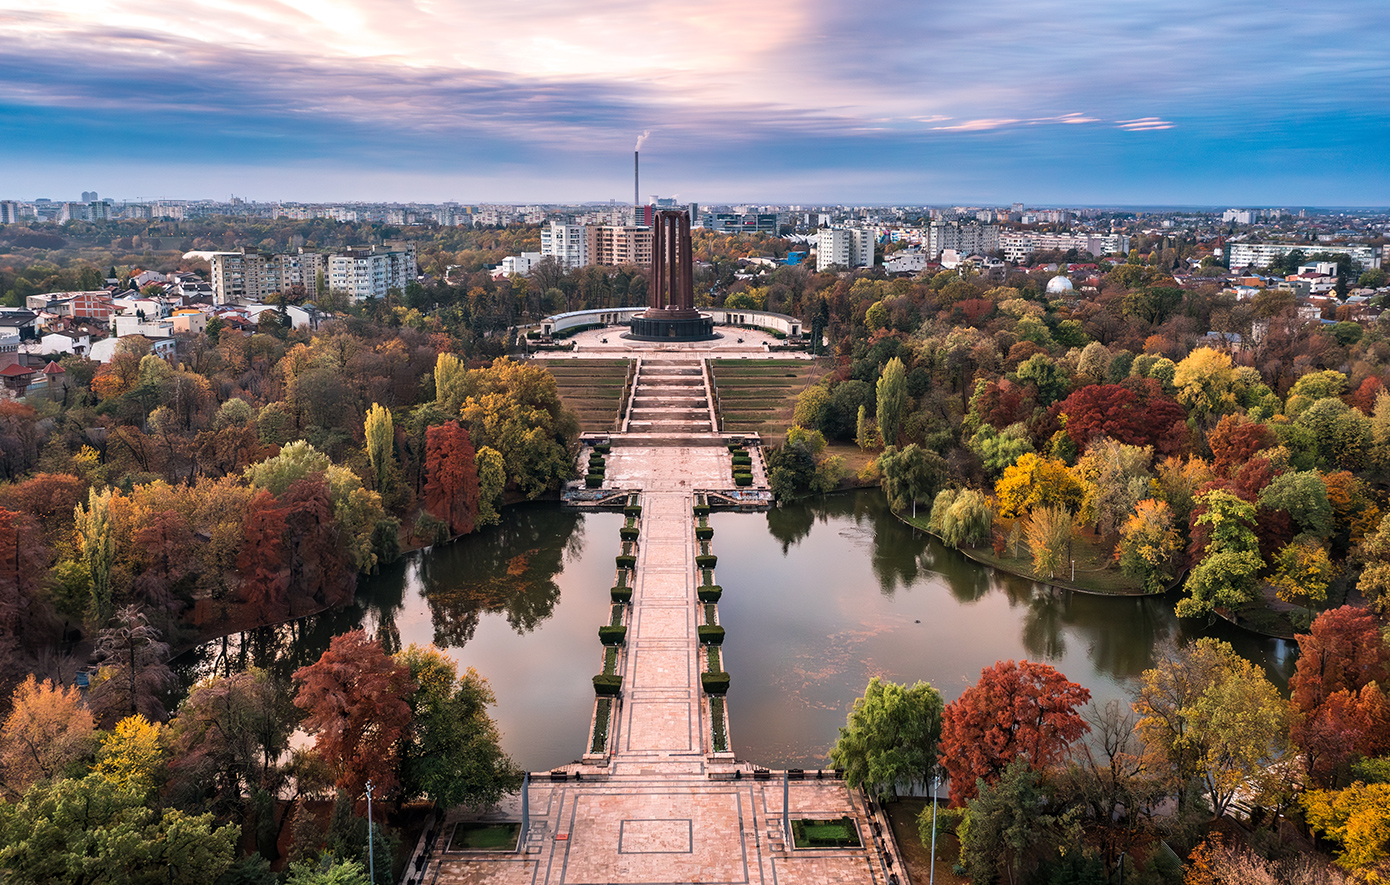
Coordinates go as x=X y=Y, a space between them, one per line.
x=9 y=212
x=964 y=238
x=1261 y=254
x=520 y=264
x=567 y=243
x=372 y=273
x=1018 y=245
x=847 y=247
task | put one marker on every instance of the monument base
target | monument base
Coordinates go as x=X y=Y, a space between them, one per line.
x=699 y=327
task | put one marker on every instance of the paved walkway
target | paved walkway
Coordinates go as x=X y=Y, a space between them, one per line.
x=662 y=808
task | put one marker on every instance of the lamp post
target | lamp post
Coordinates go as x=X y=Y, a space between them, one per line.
x=371 y=853
x=935 y=782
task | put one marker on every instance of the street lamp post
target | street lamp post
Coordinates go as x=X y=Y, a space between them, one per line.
x=935 y=782
x=371 y=853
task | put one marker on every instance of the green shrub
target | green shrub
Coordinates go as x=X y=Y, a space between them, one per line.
x=710 y=594
x=610 y=635
x=632 y=510
x=704 y=532
x=710 y=635
x=608 y=685
x=592 y=482
x=706 y=560
x=715 y=683
x=719 y=735
x=620 y=595
x=702 y=510
x=628 y=534
x=743 y=461
x=603 y=448
x=743 y=479
x=626 y=560
x=600 y=741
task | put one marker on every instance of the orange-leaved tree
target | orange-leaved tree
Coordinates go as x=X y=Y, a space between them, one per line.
x=355 y=697
x=1018 y=709
x=451 y=471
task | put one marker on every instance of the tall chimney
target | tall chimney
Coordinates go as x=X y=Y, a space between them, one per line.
x=636 y=155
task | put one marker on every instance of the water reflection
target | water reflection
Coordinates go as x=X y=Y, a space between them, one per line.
x=857 y=593
x=519 y=602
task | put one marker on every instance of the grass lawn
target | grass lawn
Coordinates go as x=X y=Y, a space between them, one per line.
x=761 y=396
x=902 y=817
x=483 y=836
x=592 y=389
x=837 y=833
x=1096 y=569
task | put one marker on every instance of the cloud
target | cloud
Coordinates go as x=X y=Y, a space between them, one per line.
x=1144 y=124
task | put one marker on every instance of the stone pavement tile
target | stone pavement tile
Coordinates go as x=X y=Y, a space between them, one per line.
x=662 y=621
x=657 y=835
x=804 y=867
x=662 y=668
x=659 y=725
x=486 y=871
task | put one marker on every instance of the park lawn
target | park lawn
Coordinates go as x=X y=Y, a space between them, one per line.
x=592 y=389
x=825 y=833
x=484 y=836
x=760 y=396
x=1096 y=569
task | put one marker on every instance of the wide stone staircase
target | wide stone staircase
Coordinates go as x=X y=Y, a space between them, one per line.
x=670 y=397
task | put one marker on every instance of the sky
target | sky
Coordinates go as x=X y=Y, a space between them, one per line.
x=1046 y=102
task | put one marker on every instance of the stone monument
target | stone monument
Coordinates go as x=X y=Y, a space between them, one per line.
x=671 y=313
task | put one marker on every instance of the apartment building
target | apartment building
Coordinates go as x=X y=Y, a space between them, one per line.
x=1018 y=245
x=373 y=272
x=620 y=244
x=1261 y=254
x=847 y=247
x=967 y=239
x=566 y=243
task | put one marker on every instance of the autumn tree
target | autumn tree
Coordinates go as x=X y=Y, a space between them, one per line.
x=492 y=481
x=1048 y=530
x=891 y=396
x=1206 y=385
x=97 y=549
x=25 y=614
x=1017 y=709
x=135 y=669
x=1013 y=827
x=262 y=558
x=891 y=737
x=1148 y=544
x=1114 y=478
x=1135 y=413
x=452 y=751
x=1035 y=481
x=354 y=700
x=1210 y=714
x=133 y=755
x=228 y=738
x=1225 y=576
x=49 y=729
x=515 y=408
x=1302 y=574
x=451 y=484
x=1358 y=819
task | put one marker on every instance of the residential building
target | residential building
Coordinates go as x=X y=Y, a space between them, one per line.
x=374 y=272
x=238 y=276
x=9 y=212
x=619 y=245
x=743 y=222
x=847 y=247
x=963 y=238
x=1261 y=254
x=520 y=264
x=567 y=243
x=1018 y=245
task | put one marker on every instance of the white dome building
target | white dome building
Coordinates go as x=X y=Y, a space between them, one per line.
x=1060 y=285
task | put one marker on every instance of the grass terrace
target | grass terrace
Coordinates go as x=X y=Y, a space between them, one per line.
x=592 y=389
x=759 y=396
x=483 y=836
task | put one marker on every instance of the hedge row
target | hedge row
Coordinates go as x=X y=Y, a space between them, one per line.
x=608 y=686
x=714 y=683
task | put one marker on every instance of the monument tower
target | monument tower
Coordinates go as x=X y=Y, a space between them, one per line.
x=671 y=313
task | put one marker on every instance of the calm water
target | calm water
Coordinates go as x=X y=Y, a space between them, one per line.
x=817 y=598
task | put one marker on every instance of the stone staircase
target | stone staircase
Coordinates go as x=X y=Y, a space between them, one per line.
x=670 y=397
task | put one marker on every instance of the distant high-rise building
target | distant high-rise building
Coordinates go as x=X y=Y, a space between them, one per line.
x=966 y=239
x=374 y=272
x=567 y=243
x=89 y=196
x=847 y=247
x=619 y=245
x=9 y=212
x=98 y=211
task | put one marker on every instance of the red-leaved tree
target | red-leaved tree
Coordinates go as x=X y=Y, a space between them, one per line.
x=1135 y=413
x=451 y=477
x=355 y=697
x=262 y=558
x=1017 y=709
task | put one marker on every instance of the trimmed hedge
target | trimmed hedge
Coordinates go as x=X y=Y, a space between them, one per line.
x=713 y=683
x=741 y=459
x=620 y=595
x=710 y=635
x=603 y=448
x=706 y=560
x=702 y=510
x=704 y=532
x=710 y=593
x=628 y=534
x=632 y=509
x=593 y=481
x=743 y=479
x=610 y=635
x=626 y=560
x=608 y=686
x=599 y=744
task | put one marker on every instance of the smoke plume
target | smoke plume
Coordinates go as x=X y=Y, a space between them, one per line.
x=641 y=138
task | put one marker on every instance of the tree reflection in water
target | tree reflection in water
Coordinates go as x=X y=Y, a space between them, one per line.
x=509 y=569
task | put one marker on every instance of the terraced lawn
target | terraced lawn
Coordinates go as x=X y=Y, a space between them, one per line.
x=760 y=396
x=593 y=389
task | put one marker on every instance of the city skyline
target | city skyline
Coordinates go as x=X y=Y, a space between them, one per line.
x=1079 y=103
